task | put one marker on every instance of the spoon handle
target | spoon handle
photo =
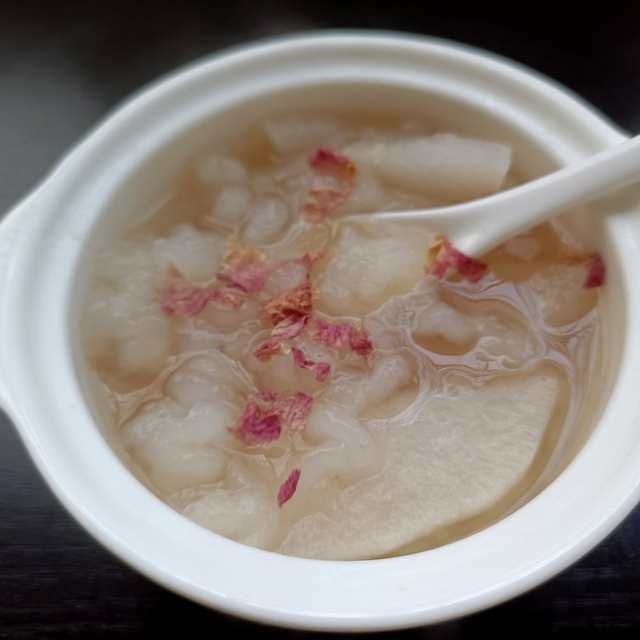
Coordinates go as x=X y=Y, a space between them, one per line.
x=478 y=226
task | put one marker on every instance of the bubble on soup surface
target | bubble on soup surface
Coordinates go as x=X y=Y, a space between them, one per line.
x=561 y=294
x=459 y=458
x=367 y=264
x=443 y=165
x=293 y=133
x=231 y=204
x=197 y=255
x=218 y=170
x=267 y=219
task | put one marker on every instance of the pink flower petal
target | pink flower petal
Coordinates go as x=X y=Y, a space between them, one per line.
x=294 y=410
x=226 y=296
x=184 y=301
x=332 y=184
x=268 y=348
x=320 y=370
x=443 y=257
x=267 y=412
x=597 y=273
x=294 y=302
x=360 y=343
x=288 y=487
x=342 y=335
x=286 y=329
x=257 y=425
x=180 y=297
x=289 y=312
x=245 y=269
x=268 y=396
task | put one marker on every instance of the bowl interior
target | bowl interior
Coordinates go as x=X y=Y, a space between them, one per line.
x=142 y=189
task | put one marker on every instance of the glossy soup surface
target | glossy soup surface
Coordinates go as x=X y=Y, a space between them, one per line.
x=301 y=380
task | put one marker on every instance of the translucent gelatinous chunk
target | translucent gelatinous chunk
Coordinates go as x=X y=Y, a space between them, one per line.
x=367 y=264
x=267 y=219
x=443 y=165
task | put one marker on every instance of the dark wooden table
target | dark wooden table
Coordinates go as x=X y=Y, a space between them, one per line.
x=61 y=69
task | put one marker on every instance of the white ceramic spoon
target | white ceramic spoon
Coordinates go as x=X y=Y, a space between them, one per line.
x=478 y=226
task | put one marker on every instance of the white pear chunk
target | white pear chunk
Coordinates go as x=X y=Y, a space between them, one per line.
x=455 y=461
x=443 y=165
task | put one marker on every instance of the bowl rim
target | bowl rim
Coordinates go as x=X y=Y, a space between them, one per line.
x=360 y=572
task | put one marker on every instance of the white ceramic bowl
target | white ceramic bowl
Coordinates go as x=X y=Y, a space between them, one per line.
x=121 y=165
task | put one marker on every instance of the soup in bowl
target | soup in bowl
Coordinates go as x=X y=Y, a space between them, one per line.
x=286 y=373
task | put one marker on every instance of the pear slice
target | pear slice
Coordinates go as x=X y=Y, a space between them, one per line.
x=461 y=458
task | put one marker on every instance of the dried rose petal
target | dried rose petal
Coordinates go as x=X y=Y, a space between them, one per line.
x=266 y=412
x=342 y=335
x=360 y=342
x=294 y=302
x=267 y=396
x=320 y=370
x=183 y=300
x=442 y=256
x=268 y=348
x=257 y=425
x=180 y=297
x=332 y=184
x=597 y=272
x=285 y=330
x=246 y=269
x=288 y=487
x=294 y=410
x=289 y=312
x=289 y=328
x=226 y=296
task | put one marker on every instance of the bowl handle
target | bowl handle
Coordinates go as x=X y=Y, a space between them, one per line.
x=12 y=230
